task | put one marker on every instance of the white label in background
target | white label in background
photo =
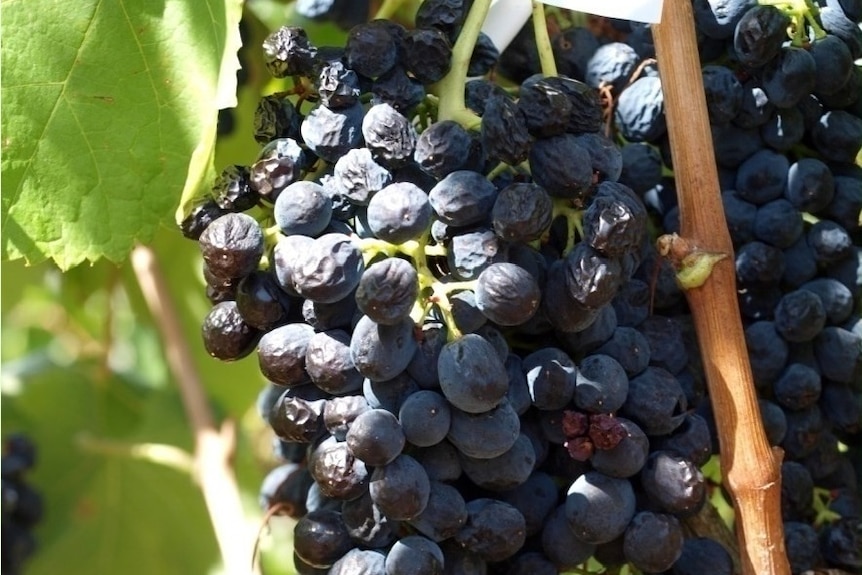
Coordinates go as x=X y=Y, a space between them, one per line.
x=637 y=10
x=506 y=17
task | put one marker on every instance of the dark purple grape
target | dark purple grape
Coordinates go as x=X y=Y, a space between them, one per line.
x=545 y=107
x=655 y=401
x=389 y=135
x=599 y=507
x=200 y=217
x=332 y=133
x=400 y=489
x=653 y=541
x=494 y=530
x=387 y=290
x=759 y=34
x=367 y=526
x=561 y=544
x=302 y=208
x=260 y=301
x=444 y=147
x=522 y=212
x=336 y=472
x=427 y=54
x=789 y=77
x=673 y=483
x=232 y=245
x=281 y=354
x=329 y=365
x=505 y=133
x=280 y=163
x=381 y=352
x=562 y=166
x=232 y=190
x=445 y=512
x=398 y=89
x=724 y=93
x=462 y=198
x=573 y=47
x=288 y=52
x=375 y=437
x=611 y=65
x=328 y=270
x=838 y=136
x=640 y=111
x=399 y=212
x=484 y=57
x=226 y=335
x=472 y=377
x=371 y=49
x=446 y=15
x=296 y=419
x=276 y=117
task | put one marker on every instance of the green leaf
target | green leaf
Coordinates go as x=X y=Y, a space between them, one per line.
x=108 y=512
x=109 y=113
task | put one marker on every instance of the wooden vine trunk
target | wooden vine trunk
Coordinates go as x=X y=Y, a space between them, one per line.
x=750 y=467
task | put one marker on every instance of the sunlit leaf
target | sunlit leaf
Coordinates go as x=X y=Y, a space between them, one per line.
x=104 y=104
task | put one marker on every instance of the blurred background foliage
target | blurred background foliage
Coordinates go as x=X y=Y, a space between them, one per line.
x=84 y=375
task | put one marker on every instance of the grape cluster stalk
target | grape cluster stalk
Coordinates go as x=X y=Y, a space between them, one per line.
x=477 y=357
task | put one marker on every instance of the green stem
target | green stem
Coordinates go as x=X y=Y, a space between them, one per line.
x=436 y=250
x=821 y=499
x=451 y=88
x=419 y=311
x=446 y=288
x=432 y=292
x=543 y=41
x=811 y=18
x=371 y=247
x=271 y=233
x=574 y=222
x=441 y=300
x=800 y=12
x=271 y=236
x=498 y=169
x=388 y=9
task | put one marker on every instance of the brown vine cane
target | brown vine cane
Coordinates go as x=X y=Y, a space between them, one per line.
x=750 y=467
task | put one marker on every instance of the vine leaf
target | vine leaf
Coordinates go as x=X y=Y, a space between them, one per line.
x=104 y=104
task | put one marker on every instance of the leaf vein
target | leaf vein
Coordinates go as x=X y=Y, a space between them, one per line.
x=61 y=96
x=156 y=97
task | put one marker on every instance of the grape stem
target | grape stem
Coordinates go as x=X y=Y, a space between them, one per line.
x=388 y=9
x=574 y=222
x=451 y=88
x=802 y=13
x=750 y=467
x=214 y=446
x=432 y=292
x=543 y=42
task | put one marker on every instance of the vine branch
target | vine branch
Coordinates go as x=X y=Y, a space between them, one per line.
x=750 y=467
x=543 y=42
x=451 y=88
x=214 y=447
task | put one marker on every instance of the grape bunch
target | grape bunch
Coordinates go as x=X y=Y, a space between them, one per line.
x=786 y=118
x=475 y=360
x=22 y=505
